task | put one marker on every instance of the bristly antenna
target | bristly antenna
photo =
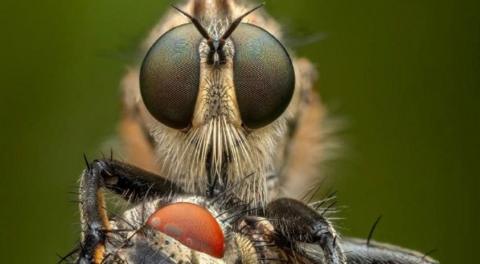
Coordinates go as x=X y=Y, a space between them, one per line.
x=195 y=22
x=216 y=45
x=237 y=21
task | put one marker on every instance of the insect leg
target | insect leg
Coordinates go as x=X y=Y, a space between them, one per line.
x=297 y=222
x=358 y=251
x=119 y=178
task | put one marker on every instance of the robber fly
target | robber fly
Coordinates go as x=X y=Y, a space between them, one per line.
x=220 y=122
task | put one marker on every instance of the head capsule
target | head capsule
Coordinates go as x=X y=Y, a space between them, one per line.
x=263 y=74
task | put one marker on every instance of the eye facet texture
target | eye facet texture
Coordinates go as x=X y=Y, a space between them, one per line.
x=169 y=77
x=263 y=75
x=192 y=225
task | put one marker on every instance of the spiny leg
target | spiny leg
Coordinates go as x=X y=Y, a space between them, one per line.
x=123 y=179
x=297 y=222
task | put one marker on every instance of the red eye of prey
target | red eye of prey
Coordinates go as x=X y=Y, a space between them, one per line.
x=192 y=225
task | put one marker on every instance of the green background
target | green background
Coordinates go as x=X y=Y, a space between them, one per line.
x=404 y=75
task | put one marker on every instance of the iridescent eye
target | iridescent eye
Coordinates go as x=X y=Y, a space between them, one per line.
x=169 y=77
x=192 y=225
x=263 y=75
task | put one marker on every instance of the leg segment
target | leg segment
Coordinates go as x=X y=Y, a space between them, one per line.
x=297 y=222
x=120 y=178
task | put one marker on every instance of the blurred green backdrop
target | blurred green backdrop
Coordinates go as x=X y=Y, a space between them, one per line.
x=404 y=74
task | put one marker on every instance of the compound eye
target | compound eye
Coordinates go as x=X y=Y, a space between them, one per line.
x=263 y=75
x=169 y=77
x=192 y=225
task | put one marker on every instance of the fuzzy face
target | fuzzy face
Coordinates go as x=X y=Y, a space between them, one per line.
x=217 y=145
x=241 y=120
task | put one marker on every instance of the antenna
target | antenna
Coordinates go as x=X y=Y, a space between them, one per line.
x=216 y=45
x=237 y=21
x=195 y=22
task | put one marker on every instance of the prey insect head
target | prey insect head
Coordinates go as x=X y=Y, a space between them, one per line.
x=261 y=71
x=192 y=225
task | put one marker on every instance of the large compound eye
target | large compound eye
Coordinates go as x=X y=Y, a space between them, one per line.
x=263 y=75
x=169 y=77
x=192 y=225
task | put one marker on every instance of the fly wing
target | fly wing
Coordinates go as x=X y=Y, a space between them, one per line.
x=358 y=251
